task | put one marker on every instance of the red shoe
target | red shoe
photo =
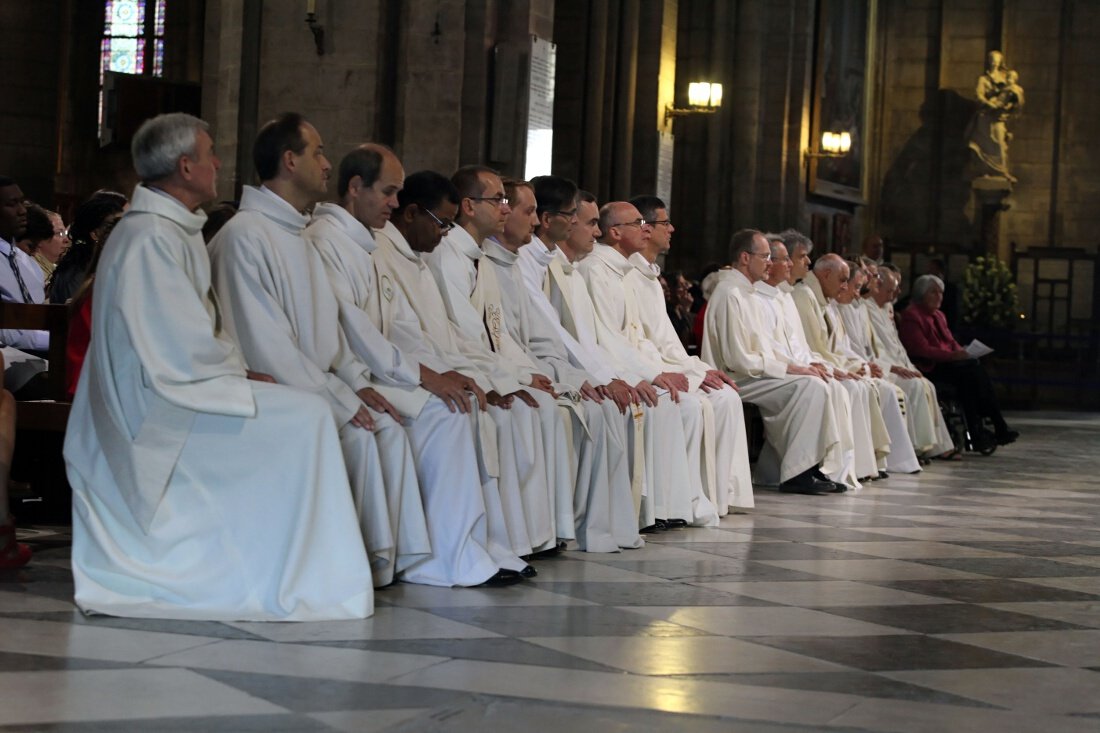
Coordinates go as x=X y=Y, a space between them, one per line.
x=12 y=554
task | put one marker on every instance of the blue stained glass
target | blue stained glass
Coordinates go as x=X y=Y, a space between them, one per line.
x=158 y=18
x=158 y=57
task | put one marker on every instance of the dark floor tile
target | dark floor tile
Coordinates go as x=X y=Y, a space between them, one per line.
x=650 y=594
x=865 y=684
x=236 y=723
x=1055 y=534
x=1013 y=567
x=16 y=662
x=164 y=626
x=950 y=618
x=883 y=653
x=563 y=621
x=1039 y=548
x=988 y=591
x=709 y=569
x=770 y=551
x=511 y=651
x=305 y=695
x=826 y=534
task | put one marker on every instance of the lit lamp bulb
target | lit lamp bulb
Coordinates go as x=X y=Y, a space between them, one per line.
x=830 y=142
x=704 y=94
x=845 y=143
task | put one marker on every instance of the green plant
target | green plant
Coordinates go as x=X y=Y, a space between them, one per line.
x=989 y=294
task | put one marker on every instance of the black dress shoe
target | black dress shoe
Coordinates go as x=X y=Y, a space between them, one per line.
x=883 y=474
x=661 y=524
x=502 y=578
x=651 y=529
x=837 y=487
x=551 y=552
x=1006 y=437
x=676 y=523
x=528 y=571
x=803 y=484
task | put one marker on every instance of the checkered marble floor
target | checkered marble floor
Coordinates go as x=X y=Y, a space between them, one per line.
x=965 y=598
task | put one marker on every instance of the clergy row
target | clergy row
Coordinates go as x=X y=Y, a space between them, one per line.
x=414 y=382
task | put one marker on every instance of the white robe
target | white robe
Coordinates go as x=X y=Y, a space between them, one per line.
x=602 y=493
x=443 y=442
x=198 y=494
x=512 y=450
x=892 y=398
x=784 y=330
x=618 y=318
x=725 y=443
x=454 y=265
x=279 y=307
x=867 y=419
x=657 y=453
x=888 y=349
x=798 y=424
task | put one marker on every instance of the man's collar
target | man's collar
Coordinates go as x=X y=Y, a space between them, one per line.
x=462 y=241
x=265 y=201
x=613 y=258
x=391 y=233
x=152 y=201
x=342 y=219
x=811 y=282
x=498 y=253
x=786 y=287
x=766 y=289
x=650 y=269
x=537 y=250
x=737 y=279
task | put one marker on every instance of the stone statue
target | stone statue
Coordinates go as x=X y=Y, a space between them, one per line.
x=1000 y=97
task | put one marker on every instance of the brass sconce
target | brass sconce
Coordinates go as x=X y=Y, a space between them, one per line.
x=704 y=98
x=833 y=145
x=315 y=28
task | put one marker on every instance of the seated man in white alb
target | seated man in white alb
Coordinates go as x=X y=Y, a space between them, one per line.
x=783 y=328
x=454 y=263
x=602 y=501
x=725 y=443
x=882 y=335
x=279 y=307
x=413 y=315
x=197 y=494
x=658 y=447
x=619 y=316
x=815 y=298
x=441 y=433
x=793 y=400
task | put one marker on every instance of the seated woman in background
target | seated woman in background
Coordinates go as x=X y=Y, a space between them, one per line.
x=80 y=312
x=86 y=235
x=923 y=330
x=44 y=238
x=12 y=554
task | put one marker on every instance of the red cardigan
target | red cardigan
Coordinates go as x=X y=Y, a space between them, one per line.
x=926 y=337
x=80 y=334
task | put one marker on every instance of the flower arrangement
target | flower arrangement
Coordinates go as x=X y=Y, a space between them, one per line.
x=989 y=294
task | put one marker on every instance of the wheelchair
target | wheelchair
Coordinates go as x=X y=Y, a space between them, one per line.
x=961 y=432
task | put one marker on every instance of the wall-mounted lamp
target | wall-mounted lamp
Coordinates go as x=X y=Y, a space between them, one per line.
x=833 y=145
x=315 y=28
x=704 y=98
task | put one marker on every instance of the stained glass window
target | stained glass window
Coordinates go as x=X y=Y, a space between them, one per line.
x=126 y=38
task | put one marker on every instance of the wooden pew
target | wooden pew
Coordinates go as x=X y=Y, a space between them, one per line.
x=50 y=414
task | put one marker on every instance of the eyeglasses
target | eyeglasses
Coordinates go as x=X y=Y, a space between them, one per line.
x=497 y=200
x=659 y=222
x=636 y=223
x=444 y=226
x=567 y=214
x=63 y=233
x=765 y=257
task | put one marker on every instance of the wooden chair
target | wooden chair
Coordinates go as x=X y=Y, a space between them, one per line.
x=52 y=413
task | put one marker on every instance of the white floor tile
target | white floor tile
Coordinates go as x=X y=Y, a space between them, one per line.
x=119 y=694
x=56 y=639
x=386 y=623
x=765 y=621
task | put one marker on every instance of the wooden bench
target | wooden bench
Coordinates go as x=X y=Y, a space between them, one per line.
x=52 y=413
